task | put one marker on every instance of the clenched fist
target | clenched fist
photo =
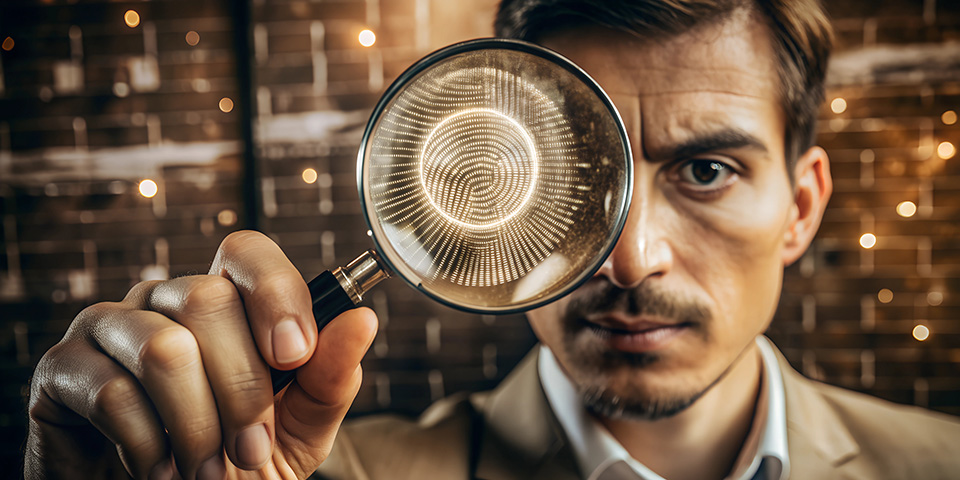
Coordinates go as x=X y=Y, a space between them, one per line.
x=173 y=381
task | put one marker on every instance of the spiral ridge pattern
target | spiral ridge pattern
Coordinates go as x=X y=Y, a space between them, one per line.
x=479 y=168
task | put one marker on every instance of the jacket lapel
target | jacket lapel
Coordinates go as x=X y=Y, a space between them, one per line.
x=521 y=438
x=817 y=439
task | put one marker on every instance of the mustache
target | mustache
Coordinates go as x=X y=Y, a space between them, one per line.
x=645 y=299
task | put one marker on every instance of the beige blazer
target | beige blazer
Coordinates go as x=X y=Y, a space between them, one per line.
x=511 y=433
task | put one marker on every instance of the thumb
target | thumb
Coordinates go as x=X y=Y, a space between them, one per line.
x=311 y=409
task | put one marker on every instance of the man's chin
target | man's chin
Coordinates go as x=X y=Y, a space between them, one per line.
x=602 y=402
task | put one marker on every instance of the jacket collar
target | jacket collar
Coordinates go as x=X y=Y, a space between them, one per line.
x=523 y=440
x=816 y=435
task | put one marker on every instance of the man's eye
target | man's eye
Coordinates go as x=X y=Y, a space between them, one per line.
x=705 y=173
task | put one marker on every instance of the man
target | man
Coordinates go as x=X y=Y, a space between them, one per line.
x=656 y=368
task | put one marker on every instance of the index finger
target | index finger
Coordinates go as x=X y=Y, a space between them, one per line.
x=275 y=297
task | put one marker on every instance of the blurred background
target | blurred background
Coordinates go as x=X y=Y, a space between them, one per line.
x=135 y=135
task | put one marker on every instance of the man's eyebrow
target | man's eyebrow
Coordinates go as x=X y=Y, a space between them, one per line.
x=710 y=142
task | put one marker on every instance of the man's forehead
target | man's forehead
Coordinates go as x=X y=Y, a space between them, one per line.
x=732 y=57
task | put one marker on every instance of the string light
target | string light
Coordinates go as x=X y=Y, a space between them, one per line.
x=367 y=38
x=148 y=188
x=8 y=43
x=226 y=105
x=192 y=38
x=868 y=240
x=309 y=175
x=921 y=332
x=131 y=18
x=838 y=105
x=906 y=208
x=949 y=117
x=946 y=150
x=885 y=295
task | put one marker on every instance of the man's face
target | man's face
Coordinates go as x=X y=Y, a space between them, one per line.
x=696 y=274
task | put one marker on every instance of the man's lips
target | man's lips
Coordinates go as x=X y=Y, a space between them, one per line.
x=633 y=334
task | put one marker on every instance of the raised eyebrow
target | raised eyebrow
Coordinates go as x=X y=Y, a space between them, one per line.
x=714 y=141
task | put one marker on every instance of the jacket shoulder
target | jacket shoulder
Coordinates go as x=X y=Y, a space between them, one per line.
x=435 y=445
x=872 y=419
x=894 y=440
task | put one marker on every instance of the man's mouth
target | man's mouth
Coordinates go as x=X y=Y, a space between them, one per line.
x=635 y=335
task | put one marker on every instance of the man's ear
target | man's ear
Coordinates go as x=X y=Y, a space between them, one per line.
x=812 y=188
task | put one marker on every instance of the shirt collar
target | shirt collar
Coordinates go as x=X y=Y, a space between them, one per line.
x=600 y=456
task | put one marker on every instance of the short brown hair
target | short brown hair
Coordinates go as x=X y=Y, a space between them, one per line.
x=802 y=38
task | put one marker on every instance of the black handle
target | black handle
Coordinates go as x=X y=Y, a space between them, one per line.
x=329 y=300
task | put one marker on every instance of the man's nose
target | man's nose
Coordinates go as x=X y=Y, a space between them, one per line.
x=643 y=250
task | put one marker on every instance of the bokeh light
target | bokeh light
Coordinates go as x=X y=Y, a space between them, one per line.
x=885 y=295
x=8 y=43
x=838 y=105
x=934 y=298
x=921 y=332
x=131 y=18
x=946 y=150
x=906 y=208
x=148 y=188
x=868 y=240
x=367 y=38
x=227 y=217
x=226 y=105
x=949 y=117
x=309 y=175
x=192 y=38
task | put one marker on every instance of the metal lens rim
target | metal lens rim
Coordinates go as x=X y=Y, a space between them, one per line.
x=497 y=44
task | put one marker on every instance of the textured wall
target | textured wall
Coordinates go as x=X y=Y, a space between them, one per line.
x=90 y=106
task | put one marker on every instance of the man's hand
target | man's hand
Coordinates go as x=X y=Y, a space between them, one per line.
x=173 y=377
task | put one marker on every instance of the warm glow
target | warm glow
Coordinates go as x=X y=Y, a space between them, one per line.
x=226 y=105
x=131 y=18
x=8 y=43
x=948 y=118
x=227 y=217
x=906 y=208
x=921 y=332
x=193 y=38
x=946 y=150
x=121 y=89
x=367 y=38
x=309 y=175
x=868 y=240
x=885 y=295
x=934 y=298
x=148 y=188
x=838 y=105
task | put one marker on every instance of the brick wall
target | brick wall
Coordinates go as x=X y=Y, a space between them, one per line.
x=848 y=313
x=90 y=106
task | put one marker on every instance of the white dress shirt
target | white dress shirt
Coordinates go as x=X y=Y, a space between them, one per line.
x=602 y=457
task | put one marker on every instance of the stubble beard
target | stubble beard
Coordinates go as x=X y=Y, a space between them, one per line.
x=594 y=366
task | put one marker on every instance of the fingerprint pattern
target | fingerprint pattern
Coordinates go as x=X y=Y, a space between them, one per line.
x=473 y=175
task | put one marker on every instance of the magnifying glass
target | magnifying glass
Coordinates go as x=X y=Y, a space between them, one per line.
x=495 y=177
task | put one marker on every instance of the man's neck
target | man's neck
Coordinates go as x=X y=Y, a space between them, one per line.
x=704 y=440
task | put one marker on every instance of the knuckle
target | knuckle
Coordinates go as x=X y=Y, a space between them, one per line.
x=92 y=314
x=250 y=383
x=140 y=290
x=43 y=378
x=172 y=349
x=202 y=433
x=282 y=284
x=238 y=241
x=208 y=293
x=117 y=397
